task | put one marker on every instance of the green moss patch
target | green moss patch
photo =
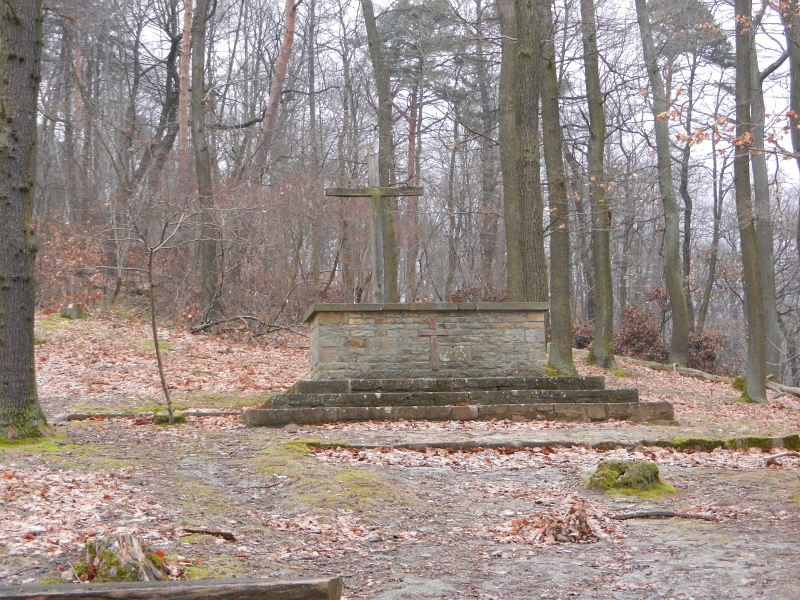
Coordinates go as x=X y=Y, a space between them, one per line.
x=162 y=418
x=163 y=345
x=225 y=400
x=314 y=484
x=634 y=477
x=53 y=323
x=700 y=444
x=791 y=442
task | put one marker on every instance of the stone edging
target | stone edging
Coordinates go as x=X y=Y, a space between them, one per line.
x=425 y=306
x=789 y=442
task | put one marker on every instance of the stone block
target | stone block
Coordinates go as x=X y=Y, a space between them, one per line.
x=454 y=353
x=356 y=343
x=596 y=412
x=331 y=318
x=382 y=345
x=570 y=412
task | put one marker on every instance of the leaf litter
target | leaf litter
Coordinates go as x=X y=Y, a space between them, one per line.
x=483 y=523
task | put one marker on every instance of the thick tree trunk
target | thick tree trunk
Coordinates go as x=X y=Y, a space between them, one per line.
x=509 y=146
x=763 y=212
x=208 y=231
x=679 y=346
x=602 y=351
x=754 y=298
x=560 y=357
x=20 y=37
x=531 y=240
x=526 y=267
x=388 y=204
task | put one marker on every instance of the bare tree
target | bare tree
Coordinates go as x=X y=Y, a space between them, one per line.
x=755 y=388
x=209 y=231
x=679 y=347
x=602 y=351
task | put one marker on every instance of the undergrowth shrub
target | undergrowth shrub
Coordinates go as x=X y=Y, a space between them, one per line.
x=640 y=336
x=705 y=350
x=582 y=334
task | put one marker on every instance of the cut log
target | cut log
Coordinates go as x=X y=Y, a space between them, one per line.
x=220 y=589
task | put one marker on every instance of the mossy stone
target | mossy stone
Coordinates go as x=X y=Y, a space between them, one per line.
x=628 y=476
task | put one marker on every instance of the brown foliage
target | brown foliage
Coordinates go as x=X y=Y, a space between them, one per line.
x=704 y=351
x=640 y=336
x=582 y=334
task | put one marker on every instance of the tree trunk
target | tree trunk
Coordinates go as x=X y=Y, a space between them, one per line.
x=388 y=204
x=275 y=90
x=686 y=196
x=183 y=99
x=790 y=13
x=755 y=388
x=560 y=357
x=679 y=346
x=509 y=145
x=20 y=36
x=519 y=142
x=602 y=351
x=208 y=231
x=763 y=212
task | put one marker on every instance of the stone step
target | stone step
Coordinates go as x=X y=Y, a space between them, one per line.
x=415 y=398
x=584 y=412
x=346 y=386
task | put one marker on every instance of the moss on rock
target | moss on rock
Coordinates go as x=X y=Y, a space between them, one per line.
x=639 y=477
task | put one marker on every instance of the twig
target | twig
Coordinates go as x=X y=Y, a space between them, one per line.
x=276 y=327
x=226 y=535
x=210 y=324
x=773 y=460
x=74 y=572
x=662 y=514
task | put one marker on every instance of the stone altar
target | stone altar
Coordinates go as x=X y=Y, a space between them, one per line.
x=471 y=361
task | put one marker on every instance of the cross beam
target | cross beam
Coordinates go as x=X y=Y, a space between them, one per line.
x=376 y=193
x=368 y=192
x=434 y=334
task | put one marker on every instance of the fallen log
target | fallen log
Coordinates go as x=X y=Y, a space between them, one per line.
x=219 y=589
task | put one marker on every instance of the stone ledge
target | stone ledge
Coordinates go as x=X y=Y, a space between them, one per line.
x=427 y=307
x=444 y=384
x=642 y=412
x=454 y=398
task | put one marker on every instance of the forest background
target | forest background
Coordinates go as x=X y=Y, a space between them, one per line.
x=191 y=143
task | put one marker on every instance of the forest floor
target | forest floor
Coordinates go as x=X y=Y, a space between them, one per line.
x=395 y=523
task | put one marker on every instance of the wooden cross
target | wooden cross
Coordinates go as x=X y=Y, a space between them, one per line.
x=433 y=333
x=377 y=193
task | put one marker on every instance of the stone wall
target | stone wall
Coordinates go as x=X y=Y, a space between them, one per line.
x=372 y=341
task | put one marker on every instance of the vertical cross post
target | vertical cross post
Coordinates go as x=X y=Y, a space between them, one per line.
x=378 y=269
x=434 y=334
